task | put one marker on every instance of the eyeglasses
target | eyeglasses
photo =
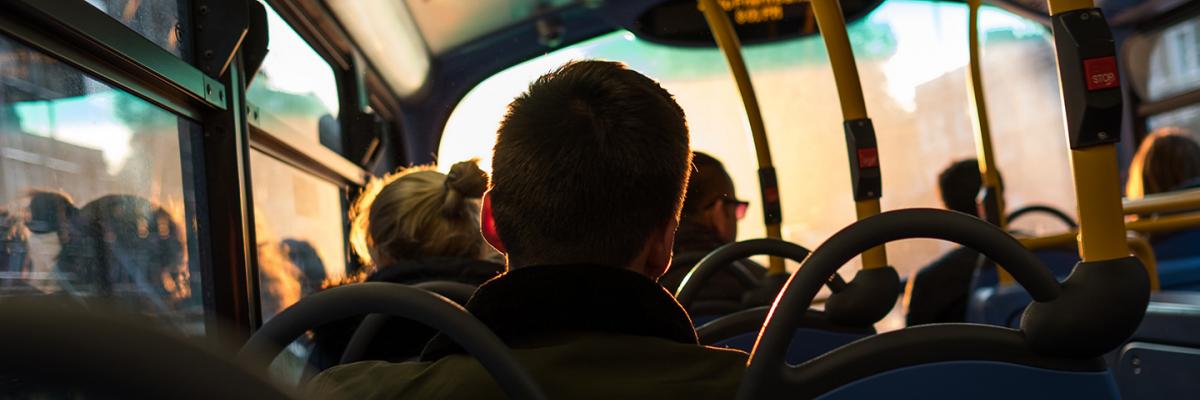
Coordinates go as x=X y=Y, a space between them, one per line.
x=740 y=206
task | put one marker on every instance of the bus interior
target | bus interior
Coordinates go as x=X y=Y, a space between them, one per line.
x=180 y=183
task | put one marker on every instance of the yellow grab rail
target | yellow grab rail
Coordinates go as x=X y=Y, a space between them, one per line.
x=1161 y=202
x=1140 y=247
x=832 y=24
x=1168 y=223
x=727 y=40
x=993 y=190
x=979 y=115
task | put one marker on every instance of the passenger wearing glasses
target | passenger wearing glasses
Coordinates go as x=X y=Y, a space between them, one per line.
x=711 y=212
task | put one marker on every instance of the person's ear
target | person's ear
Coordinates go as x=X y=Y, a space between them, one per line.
x=487 y=224
x=659 y=249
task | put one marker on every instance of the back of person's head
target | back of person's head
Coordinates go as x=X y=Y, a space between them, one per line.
x=590 y=162
x=420 y=212
x=116 y=237
x=49 y=211
x=959 y=186
x=709 y=182
x=1167 y=159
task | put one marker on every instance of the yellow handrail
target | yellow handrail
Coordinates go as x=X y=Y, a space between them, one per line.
x=1169 y=223
x=1140 y=247
x=832 y=24
x=1161 y=202
x=727 y=40
x=988 y=170
x=979 y=115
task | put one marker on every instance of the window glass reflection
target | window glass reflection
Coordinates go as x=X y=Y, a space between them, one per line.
x=1174 y=60
x=296 y=90
x=94 y=203
x=912 y=59
x=164 y=22
x=299 y=227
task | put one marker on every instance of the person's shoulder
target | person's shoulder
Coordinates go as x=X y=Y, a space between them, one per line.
x=365 y=380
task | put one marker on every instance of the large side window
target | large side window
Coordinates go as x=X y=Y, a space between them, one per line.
x=96 y=193
x=296 y=90
x=298 y=215
x=1172 y=68
x=912 y=57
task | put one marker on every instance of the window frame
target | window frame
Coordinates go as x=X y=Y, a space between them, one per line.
x=1142 y=109
x=86 y=38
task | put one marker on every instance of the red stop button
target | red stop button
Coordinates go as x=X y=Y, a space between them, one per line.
x=1101 y=73
x=868 y=158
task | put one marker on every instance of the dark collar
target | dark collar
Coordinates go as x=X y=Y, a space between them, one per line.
x=427 y=269
x=529 y=304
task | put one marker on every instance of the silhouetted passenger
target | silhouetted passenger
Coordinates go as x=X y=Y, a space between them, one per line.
x=589 y=171
x=711 y=211
x=938 y=292
x=126 y=248
x=305 y=257
x=14 y=260
x=50 y=216
x=418 y=225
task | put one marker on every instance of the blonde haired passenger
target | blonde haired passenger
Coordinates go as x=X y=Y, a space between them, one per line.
x=416 y=225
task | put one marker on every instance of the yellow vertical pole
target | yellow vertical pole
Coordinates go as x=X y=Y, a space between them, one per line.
x=1097 y=179
x=727 y=40
x=845 y=74
x=993 y=189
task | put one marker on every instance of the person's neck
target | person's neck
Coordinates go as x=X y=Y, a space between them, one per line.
x=516 y=263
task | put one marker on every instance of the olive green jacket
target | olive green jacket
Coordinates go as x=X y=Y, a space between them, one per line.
x=586 y=366
x=582 y=331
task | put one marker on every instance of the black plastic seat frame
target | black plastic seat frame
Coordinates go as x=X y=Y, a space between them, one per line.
x=399 y=301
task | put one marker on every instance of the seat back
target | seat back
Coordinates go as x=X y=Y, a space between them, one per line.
x=64 y=346
x=814 y=337
x=989 y=303
x=960 y=380
x=398 y=301
x=1162 y=359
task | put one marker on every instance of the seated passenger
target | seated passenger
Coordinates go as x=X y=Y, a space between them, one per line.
x=50 y=216
x=938 y=292
x=417 y=225
x=1167 y=160
x=709 y=220
x=126 y=248
x=589 y=171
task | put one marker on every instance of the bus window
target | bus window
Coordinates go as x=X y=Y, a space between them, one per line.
x=912 y=57
x=1171 y=68
x=94 y=199
x=296 y=90
x=162 y=21
x=298 y=225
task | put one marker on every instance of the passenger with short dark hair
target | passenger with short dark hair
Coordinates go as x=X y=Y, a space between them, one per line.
x=711 y=211
x=938 y=292
x=588 y=178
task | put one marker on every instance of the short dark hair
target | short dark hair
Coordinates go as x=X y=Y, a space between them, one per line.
x=709 y=181
x=959 y=184
x=589 y=162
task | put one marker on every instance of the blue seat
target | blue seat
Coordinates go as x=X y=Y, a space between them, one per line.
x=1162 y=359
x=814 y=336
x=993 y=305
x=1178 y=260
x=961 y=380
x=806 y=343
